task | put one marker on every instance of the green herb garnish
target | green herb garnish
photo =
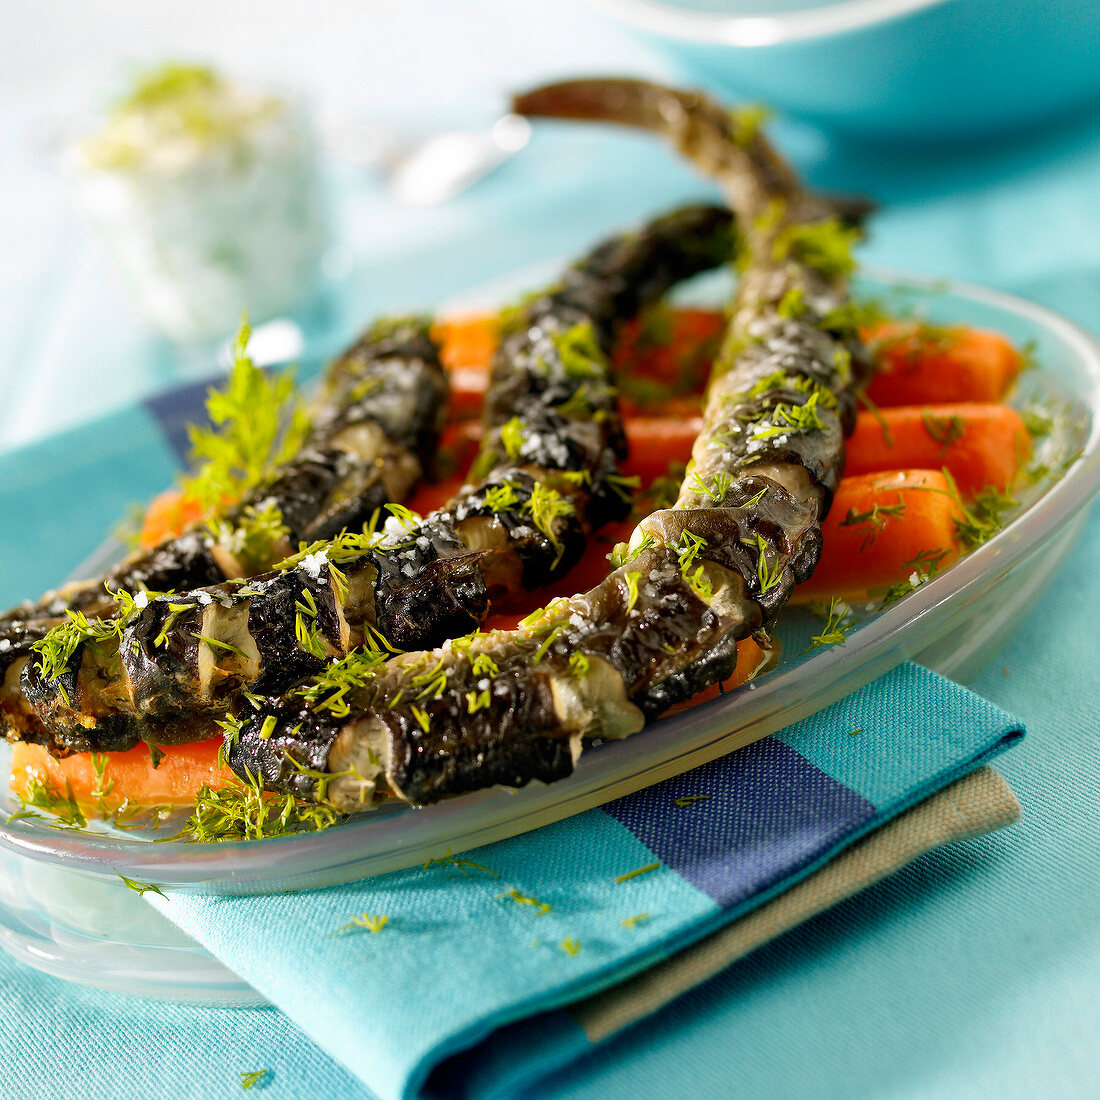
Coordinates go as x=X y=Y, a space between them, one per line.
x=142 y=888
x=637 y=871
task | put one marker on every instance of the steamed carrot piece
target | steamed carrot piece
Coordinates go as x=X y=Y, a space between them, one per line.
x=655 y=441
x=983 y=445
x=467 y=340
x=666 y=356
x=881 y=529
x=125 y=775
x=660 y=371
x=919 y=364
x=168 y=515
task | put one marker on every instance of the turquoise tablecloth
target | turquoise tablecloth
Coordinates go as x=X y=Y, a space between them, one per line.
x=976 y=970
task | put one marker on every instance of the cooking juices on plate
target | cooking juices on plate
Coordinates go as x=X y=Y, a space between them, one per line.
x=336 y=700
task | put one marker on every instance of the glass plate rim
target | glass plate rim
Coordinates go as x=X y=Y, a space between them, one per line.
x=244 y=865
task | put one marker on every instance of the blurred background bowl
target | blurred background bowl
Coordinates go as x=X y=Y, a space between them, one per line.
x=930 y=71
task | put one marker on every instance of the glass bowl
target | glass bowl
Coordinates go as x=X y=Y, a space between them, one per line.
x=888 y=70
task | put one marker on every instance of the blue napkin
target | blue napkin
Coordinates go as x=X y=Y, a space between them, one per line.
x=394 y=975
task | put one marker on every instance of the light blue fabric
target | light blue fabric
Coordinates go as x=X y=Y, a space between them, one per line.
x=457 y=959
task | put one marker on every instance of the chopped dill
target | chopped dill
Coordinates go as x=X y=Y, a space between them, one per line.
x=421 y=716
x=571 y=946
x=371 y=923
x=838 y=621
x=722 y=483
x=46 y=797
x=638 y=918
x=793 y=303
x=632 y=579
x=745 y=122
x=580 y=352
x=484 y=665
x=944 y=430
x=448 y=860
x=546 y=506
x=250 y=1077
x=621 y=554
x=577 y=406
x=214 y=644
x=579 y=665
x=329 y=689
x=477 y=700
x=637 y=872
x=768 y=577
x=547 y=642
x=244 y=811
x=501 y=497
x=825 y=245
x=522 y=899
x=257 y=538
x=142 y=888
x=690 y=799
x=511 y=435
x=874 y=520
x=786 y=418
x=623 y=486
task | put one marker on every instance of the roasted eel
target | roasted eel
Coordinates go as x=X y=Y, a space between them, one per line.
x=514 y=706
x=373 y=432
x=548 y=477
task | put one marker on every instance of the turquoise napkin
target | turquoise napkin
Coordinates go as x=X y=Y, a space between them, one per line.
x=395 y=975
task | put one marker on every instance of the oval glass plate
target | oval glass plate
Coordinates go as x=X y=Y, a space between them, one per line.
x=947 y=623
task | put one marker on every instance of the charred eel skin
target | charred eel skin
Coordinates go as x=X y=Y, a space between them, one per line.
x=510 y=707
x=373 y=433
x=553 y=436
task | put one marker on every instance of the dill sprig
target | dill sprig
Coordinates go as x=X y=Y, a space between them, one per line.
x=371 y=923
x=522 y=899
x=545 y=506
x=839 y=620
x=874 y=520
x=141 y=888
x=825 y=245
x=458 y=862
x=256 y=539
x=244 y=811
x=627 y=875
x=328 y=690
x=259 y=424
x=945 y=430
x=768 y=577
x=580 y=352
x=250 y=1077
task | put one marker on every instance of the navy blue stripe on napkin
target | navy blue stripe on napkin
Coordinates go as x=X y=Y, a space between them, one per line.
x=177 y=409
x=762 y=813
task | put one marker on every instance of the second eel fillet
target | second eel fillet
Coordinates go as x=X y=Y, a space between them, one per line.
x=509 y=707
x=548 y=476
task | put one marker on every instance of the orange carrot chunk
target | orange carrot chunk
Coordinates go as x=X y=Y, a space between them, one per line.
x=169 y=514
x=919 y=364
x=125 y=776
x=467 y=340
x=983 y=445
x=881 y=529
x=655 y=441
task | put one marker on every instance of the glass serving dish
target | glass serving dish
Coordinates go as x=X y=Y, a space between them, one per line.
x=950 y=623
